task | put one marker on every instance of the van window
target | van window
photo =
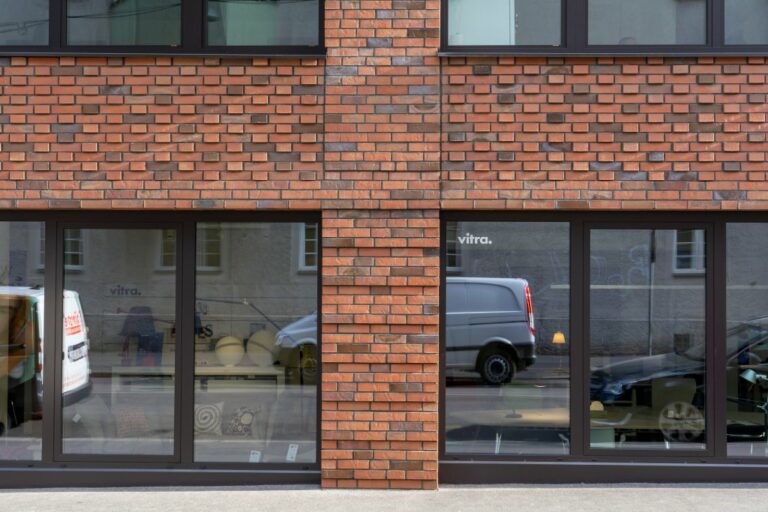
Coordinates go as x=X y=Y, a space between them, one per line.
x=456 y=297
x=491 y=297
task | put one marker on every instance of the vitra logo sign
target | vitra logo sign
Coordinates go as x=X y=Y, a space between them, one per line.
x=470 y=239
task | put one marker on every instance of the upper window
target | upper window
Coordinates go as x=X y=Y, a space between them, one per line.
x=651 y=22
x=504 y=22
x=74 y=255
x=24 y=23
x=689 y=251
x=745 y=22
x=308 y=247
x=208 y=256
x=124 y=22
x=161 y=26
x=452 y=249
x=605 y=26
x=259 y=23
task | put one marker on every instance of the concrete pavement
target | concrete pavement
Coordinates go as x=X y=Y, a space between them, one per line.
x=578 y=498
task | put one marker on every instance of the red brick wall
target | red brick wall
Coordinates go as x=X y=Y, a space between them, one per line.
x=607 y=133
x=380 y=136
x=381 y=247
x=380 y=348
x=160 y=132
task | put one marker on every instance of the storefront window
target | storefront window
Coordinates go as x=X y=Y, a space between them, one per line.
x=746 y=340
x=507 y=338
x=21 y=341
x=118 y=360
x=256 y=349
x=647 y=343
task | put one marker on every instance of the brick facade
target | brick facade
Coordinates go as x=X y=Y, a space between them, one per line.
x=380 y=136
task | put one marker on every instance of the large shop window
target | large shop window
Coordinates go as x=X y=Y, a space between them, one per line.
x=604 y=338
x=21 y=342
x=221 y=27
x=647 y=344
x=208 y=360
x=507 y=339
x=256 y=352
x=746 y=342
x=604 y=26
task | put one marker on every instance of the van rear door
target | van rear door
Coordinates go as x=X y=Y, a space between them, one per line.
x=456 y=325
x=75 y=367
x=495 y=314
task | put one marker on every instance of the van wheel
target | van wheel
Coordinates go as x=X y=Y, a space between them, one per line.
x=497 y=367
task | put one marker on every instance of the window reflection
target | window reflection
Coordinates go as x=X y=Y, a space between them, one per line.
x=256 y=348
x=21 y=341
x=124 y=22
x=747 y=341
x=118 y=360
x=275 y=23
x=504 y=22
x=507 y=355
x=745 y=22
x=24 y=23
x=647 y=343
x=652 y=22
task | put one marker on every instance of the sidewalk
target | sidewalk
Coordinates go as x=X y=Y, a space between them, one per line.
x=613 y=498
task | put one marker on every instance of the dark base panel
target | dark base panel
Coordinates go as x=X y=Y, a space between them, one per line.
x=20 y=478
x=597 y=472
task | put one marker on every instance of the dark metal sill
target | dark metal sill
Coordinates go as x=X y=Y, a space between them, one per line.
x=575 y=54
x=47 y=477
x=321 y=54
x=569 y=472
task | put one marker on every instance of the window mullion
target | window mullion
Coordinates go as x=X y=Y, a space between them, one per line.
x=192 y=20
x=56 y=24
x=717 y=23
x=576 y=25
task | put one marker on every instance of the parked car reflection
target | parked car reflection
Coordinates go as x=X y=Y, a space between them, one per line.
x=665 y=393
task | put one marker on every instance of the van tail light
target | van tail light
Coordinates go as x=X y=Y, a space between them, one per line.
x=529 y=308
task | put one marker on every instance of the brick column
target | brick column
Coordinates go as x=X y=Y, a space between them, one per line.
x=381 y=245
x=380 y=349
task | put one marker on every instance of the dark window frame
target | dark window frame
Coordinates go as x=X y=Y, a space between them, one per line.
x=574 y=19
x=56 y=468
x=606 y=465
x=193 y=39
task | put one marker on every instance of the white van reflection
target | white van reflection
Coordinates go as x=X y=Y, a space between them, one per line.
x=22 y=314
x=489 y=329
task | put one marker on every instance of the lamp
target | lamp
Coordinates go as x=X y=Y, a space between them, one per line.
x=753 y=377
x=558 y=338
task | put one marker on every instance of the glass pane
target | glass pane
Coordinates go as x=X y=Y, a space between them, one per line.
x=745 y=22
x=21 y=340
x=24 y=23
x=273 y=23
x=256 y=351
x=631 y=22
x=507 y=340
x=119 y=348
x=747 y=341
x=647 y=344
x=124 y=23
x=504 y=22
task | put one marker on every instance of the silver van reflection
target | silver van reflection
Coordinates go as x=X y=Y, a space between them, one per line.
x=489 y=328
